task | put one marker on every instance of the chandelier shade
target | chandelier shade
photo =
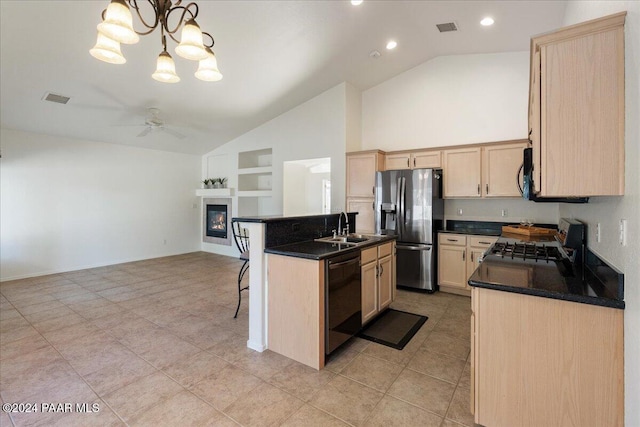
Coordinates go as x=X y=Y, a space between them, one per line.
x=118 y=23
x=208 y=68
x=170 y=17
x=165 y=69
x=107 y=50
x=191 y=45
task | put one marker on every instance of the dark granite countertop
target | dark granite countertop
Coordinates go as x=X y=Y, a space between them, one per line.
x=281 y=218
x=482 y=228
x=596 y=283
x=311 y=249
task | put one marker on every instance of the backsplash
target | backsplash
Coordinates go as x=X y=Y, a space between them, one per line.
x=300 y=229
x=516 y=210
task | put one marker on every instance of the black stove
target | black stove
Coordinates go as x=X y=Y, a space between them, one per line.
x=523 y=251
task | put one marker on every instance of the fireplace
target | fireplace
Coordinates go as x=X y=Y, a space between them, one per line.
x=216 y=221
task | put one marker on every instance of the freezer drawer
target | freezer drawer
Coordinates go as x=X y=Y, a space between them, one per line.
x=415 y=266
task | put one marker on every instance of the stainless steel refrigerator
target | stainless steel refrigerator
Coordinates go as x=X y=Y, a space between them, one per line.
x=409 y=204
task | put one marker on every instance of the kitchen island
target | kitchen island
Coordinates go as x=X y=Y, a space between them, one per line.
x=287 y=282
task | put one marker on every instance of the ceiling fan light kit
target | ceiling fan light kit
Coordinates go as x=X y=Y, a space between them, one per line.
x=117 y=27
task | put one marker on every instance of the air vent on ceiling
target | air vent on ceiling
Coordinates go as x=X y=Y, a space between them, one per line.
x=52 y=97
x=449 y=26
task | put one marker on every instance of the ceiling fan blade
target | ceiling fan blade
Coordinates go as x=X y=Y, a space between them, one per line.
x=145 y=132
x=173 y=133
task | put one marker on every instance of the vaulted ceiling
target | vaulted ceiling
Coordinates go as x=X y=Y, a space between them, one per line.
x=274 y=55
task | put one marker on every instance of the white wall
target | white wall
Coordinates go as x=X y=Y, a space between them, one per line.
x=67 y=204
x=609 y=210
x=314 y=129
x=456 y=100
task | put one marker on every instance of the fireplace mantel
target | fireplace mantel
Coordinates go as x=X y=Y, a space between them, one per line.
x=214 y=192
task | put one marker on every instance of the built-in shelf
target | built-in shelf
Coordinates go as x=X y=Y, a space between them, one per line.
x=257 y=170
x=214 y=192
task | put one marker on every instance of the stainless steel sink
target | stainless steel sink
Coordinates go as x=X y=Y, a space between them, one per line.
x=349 y=238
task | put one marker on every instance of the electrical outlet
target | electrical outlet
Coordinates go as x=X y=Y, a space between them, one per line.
x=623 y=232
x=460 y=212
x=598 y=233
x=505 y=212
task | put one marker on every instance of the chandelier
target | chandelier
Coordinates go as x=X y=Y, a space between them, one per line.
x=117 y=27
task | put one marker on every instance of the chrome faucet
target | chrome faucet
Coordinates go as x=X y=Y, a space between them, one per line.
x=341 y=231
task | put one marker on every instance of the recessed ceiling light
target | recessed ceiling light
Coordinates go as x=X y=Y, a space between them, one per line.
x=487 y=21
x=356 y=2
x=391 y=44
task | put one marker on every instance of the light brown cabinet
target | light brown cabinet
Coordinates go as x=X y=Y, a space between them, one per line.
x=378 y=279
x=413 y=160
x=458 y=256
x=486 y=171
x=361 y=168
x=576 y=109
x=540 y=361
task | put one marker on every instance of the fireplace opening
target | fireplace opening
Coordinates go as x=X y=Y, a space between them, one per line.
x=217 y=221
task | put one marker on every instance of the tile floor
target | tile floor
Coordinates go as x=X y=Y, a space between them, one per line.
x=154 y=343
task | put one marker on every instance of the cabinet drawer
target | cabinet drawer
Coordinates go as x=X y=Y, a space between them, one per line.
x=384 y=250
x=368 y=255
x=482 y=241
x=452 y=239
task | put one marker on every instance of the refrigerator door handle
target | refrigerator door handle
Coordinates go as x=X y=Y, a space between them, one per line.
x=412 y=247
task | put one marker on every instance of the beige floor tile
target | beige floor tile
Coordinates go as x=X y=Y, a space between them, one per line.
x=308 y=416
x=22 y=347
x=455 y=327
x=264 y=406
x=465 y=379
x=223 y=388
x=184 y=409
x=437 y=365
x=117 y=373
x=35 y=308
x=59 y=323
x=346 y=399
x=8 y=312
x=13 y=323
x=231 y=349
x=194 y=369
x=337 y=361
x=442 y=343
x=48 y=314
x=422 y=390
x=459 y=410
x=393 y=412
x=301 y=381
x=162 y=349
x=372 y=372
x=449 y=423
x=263 y=365
x=104 y=417
x=72 y=333
x=18 y=334
x=110 y=321
x=135 y=399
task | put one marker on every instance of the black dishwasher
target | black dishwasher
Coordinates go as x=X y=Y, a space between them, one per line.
x=343 y=305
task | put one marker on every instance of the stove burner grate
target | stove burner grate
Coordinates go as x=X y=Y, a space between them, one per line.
x=526 y=251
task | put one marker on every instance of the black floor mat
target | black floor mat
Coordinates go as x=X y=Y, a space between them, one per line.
x=393 y=328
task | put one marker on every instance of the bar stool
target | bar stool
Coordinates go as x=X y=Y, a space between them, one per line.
x=241 y=238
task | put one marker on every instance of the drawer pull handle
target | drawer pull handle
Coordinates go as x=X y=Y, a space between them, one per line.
x=452 y=240
x=464 y=255
x=485 y=243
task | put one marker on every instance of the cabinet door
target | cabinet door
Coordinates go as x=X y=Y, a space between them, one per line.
x=361 y=174
x=397 y=161
x=369 y=291
x=452 y=266
x=500 y=166
x=582 y=115
x=365 y=221
x=472 y=261
x=462 y=173
x=426 y=159
x=385 y=281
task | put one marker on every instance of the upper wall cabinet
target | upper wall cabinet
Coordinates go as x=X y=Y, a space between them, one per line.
x=576 y=109
x=483 y=171
x=413 y=160
x=361 y=172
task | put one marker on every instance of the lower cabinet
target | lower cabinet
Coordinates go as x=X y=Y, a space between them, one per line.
x=541 y=362
x=378 y=279
x=458 y=256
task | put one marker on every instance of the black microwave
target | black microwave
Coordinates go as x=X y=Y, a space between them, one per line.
x=527 y=189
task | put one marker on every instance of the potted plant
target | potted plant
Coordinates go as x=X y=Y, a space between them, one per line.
x=206 y=183
x=223 y=182
x=216 y=182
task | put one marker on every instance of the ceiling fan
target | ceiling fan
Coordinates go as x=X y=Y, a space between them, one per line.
x=154 y=123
